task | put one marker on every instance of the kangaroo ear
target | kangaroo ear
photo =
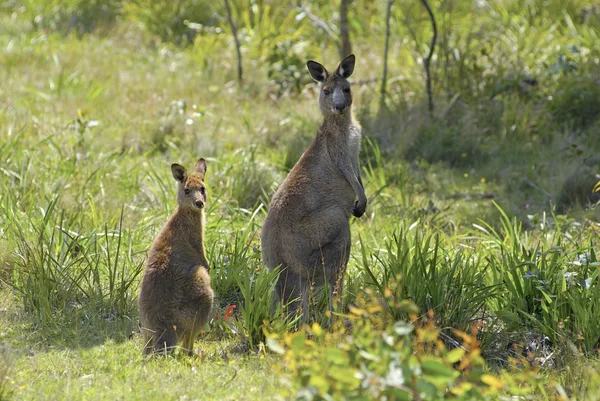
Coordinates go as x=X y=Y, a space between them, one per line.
x=178 y=171
x=200 y=167
x=346 y=67
x=317 y=71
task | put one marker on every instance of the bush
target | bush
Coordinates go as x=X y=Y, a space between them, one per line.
x=415 y=265
x=61 y=272
x=287 y=65
x=548 y=288
x=378 y=361
x=451 y=145
x=577 y=105
x=250 y=180
x=170 y=20
x=78 y=16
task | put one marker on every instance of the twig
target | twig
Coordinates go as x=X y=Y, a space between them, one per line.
x=452 y=341
x=532 y=185
x=319 y=23
x=385 y=53
x=237 y=41
x=428 y=59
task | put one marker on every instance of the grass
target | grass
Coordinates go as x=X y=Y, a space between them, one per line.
x=460 y=218
x=100 y=358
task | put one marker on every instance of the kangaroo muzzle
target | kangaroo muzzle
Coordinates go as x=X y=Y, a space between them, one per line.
x=339 y=101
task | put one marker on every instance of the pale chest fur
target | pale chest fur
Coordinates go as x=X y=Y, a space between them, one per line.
x=354 y=138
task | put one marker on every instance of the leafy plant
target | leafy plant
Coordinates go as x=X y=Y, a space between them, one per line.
x=61 y=271
x=78 y=16
x=169 y=20
x=545 y=289
x=416 y=266
x=399 y=361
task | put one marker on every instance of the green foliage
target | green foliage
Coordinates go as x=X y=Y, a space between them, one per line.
x=5 y=368
x=417 y=266
x=61 y=272
x=577 y=104
x=287 y=63
x=548 y=288
x=379 y=361
x=77 y=16
x=250 y=180
x=170 y=20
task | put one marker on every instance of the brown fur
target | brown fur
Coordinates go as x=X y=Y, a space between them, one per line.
x=307 y=232
x=176 y=298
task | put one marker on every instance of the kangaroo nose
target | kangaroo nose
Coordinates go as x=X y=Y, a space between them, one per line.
x=199 y=204
x=339 y=107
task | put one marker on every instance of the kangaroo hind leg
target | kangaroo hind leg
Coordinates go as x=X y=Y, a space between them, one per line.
x=165 y=339
x=292 y=291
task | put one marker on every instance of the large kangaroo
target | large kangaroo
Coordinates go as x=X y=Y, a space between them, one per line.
x=176 y=298
x=307 y=232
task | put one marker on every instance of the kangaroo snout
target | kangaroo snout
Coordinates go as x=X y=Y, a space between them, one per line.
x=339 y=108
x=199 y=204
x=339 y=101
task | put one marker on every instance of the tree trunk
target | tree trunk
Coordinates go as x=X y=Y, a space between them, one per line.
x=236 y=40
x=429 y=56
x=385 y=54
x=346 y=48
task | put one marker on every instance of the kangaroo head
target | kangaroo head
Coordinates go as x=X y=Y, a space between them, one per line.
x=191 y=192
x=335 y=97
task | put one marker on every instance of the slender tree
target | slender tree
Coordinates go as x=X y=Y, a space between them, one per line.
x=427 y=61
x=236 y=40
x=385 y=53
x=346 y=48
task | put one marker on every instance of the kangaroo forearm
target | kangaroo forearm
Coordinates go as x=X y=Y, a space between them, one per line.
x=354 y=180
x=362 y=187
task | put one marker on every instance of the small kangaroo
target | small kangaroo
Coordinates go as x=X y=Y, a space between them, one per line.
x=306 y=231
x=176 y=298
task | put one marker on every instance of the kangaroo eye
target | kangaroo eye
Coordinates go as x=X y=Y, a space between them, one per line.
x=203 y=190
x=327 y=92
x=186 y=191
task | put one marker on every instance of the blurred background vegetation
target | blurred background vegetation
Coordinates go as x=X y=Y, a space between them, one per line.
x=515 y=83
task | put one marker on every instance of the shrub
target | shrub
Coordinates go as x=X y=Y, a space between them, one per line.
x=78 y=16
x=547 y=287
x=170 y=20
x=379 y=361
x=250 y=180
x=415 y=265
x=577 y=105
x=287 y=65
x=448 y=144
x=60 y=272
